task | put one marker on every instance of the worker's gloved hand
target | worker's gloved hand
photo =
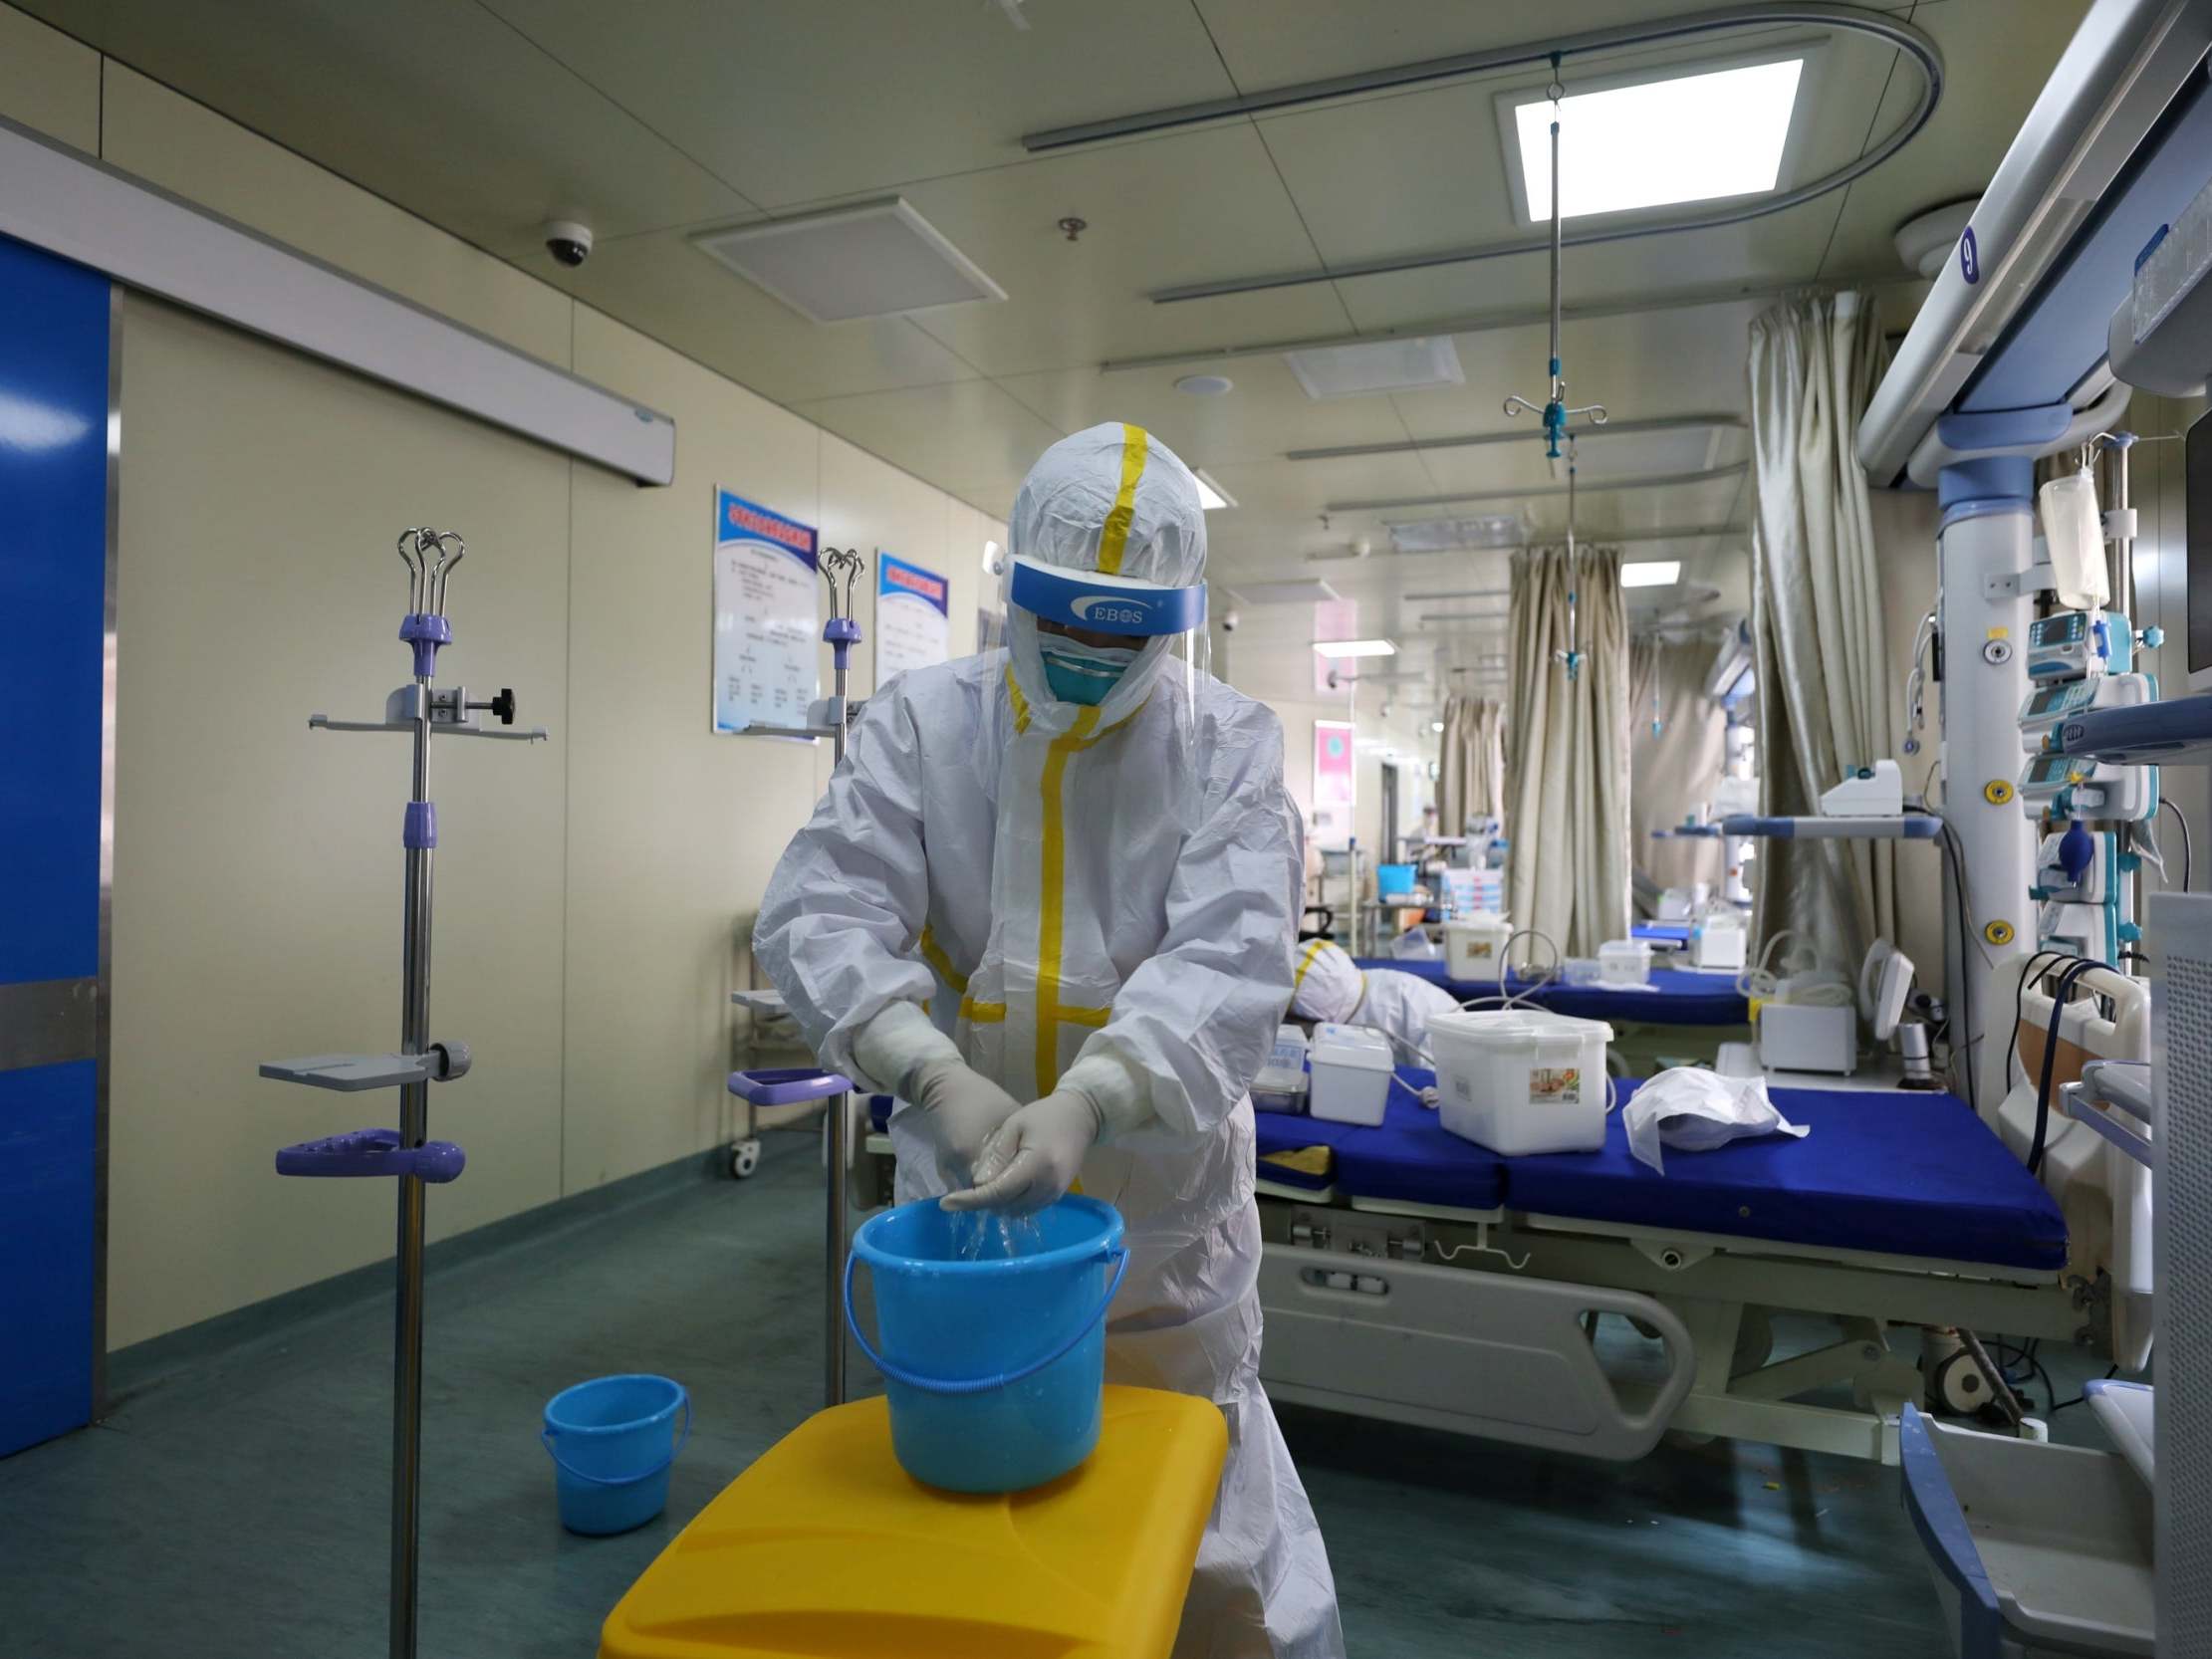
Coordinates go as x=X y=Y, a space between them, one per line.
x=962 y=1109
x=1035 y=1156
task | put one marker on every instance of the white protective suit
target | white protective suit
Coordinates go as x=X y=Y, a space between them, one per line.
x=1328 y=984
x=1111 y=892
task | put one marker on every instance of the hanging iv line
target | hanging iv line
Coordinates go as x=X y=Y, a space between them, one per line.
x=1572 y=658
x=1555 y=411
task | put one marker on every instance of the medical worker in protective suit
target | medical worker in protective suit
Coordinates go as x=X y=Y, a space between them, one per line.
x=1048 y=903
x=1327 y=985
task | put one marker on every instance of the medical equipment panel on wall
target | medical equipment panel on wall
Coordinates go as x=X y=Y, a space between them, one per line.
x=913 y=617
x=765 y=617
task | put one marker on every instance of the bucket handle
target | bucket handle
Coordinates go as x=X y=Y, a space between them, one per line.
x=575 y=1474
x=1119 y=1255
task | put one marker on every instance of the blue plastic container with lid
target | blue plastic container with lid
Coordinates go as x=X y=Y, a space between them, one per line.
x=994 y=1366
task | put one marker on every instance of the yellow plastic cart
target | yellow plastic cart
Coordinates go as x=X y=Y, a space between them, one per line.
x=826 y=1549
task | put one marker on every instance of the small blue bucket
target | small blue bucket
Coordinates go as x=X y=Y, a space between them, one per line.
x=994 y=1368
x=611 y=1440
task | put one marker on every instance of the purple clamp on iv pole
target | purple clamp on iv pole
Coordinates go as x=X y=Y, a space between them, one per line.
x=406 y=1153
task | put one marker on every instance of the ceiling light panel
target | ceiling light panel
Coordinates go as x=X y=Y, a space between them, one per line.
x=1652 y=573
x=882 y=259
x=1211 y=496
x=1377 y=366
x=1353 y=648
x=1656 y=144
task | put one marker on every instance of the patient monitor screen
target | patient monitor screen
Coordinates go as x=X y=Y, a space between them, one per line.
x=2199 y=492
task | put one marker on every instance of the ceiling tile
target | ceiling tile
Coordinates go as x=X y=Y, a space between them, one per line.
x=442 y=107
x=1180 y=209
x=1986 y=97
x=662 y=284
x=793 y=101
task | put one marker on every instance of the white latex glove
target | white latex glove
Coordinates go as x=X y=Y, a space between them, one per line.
x=1035 y=1156
x=902 y=1052
x=963 y=1110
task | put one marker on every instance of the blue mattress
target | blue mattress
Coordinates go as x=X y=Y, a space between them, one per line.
x=1676 y=997
x=1409 y=1158
x=1897 y=1173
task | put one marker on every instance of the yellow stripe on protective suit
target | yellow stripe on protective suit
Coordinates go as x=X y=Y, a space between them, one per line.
x=982 y=1013
x=1306 y=961
x=1113 y=539
x=1051 y=906
x=933 y=953
x=1014 y=695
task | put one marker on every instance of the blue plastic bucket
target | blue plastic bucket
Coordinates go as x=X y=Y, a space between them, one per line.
x=994 y=1368
x=614 y=1441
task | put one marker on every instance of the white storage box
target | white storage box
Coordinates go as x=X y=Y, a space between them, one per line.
x=1808 y=1037
x=1281 y=1084
x=1352 y=1068
x=1717 y=940
x=1475 y=947
x=1625 y=962
x=1520 y=1080
x=1581 y=970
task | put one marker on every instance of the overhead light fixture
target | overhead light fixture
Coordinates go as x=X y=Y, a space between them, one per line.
x=1652 y=573
x=1211 y=495
x=879 y=258
x=1377 y=365
x=1654 y=143
x=1312 y=591
x=1435 y=725
x=1204 y=385
x=1353 y=648
x=1482 y=529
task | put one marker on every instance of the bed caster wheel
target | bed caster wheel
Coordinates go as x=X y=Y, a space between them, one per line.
x=744 y=1159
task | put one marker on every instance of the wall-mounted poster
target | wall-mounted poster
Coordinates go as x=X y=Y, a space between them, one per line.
x=1333 y=782
x=913 y=617
x=766 y=616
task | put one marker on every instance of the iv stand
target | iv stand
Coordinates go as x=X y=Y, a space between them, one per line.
x=419 y=710
x=842 y=633
x=1555 y=411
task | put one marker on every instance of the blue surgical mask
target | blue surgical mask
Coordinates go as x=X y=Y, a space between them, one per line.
x=1080 y=674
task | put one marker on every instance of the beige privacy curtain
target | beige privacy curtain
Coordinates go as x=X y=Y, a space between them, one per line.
x=1567 y=779
x=1674 y=768
x=1816 y=615
x=1471 y=764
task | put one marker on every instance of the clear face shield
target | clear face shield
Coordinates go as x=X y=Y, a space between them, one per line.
x=1104 y=642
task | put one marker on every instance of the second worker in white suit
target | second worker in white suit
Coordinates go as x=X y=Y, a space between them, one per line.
x=1049 y=902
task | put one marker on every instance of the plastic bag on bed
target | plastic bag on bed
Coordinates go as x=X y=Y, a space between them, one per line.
x=1692 y=1110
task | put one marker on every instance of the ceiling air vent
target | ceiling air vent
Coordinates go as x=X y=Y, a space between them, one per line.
x=880 y=259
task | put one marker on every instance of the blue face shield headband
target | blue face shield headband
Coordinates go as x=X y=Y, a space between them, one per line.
x=1105 y=604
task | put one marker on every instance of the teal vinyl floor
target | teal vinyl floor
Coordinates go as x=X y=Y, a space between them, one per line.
x=234 y=1502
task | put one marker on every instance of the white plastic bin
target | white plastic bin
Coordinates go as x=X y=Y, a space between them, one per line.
x=1581 y=970
x=1520 y=1080
x=1352 y=1068
x=1625 y=962
x=1281 y=1084
x=1475 y=946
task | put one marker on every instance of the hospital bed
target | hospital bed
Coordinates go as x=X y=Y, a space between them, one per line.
x=1414 y=1277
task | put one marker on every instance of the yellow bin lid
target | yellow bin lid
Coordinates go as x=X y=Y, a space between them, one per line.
x=826 y=1549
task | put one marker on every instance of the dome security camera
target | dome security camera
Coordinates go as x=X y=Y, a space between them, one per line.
x=1230 y=620
x=568 y=240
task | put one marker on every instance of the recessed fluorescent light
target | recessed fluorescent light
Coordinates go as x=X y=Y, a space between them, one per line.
x=1212 y=494
x=1355 y=648
x=1652 y=573
x=879 y=258
x=1693 y=138
x=1435 y=725
x=1377 y=365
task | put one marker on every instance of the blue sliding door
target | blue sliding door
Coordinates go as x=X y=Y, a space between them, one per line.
x=55 y=621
